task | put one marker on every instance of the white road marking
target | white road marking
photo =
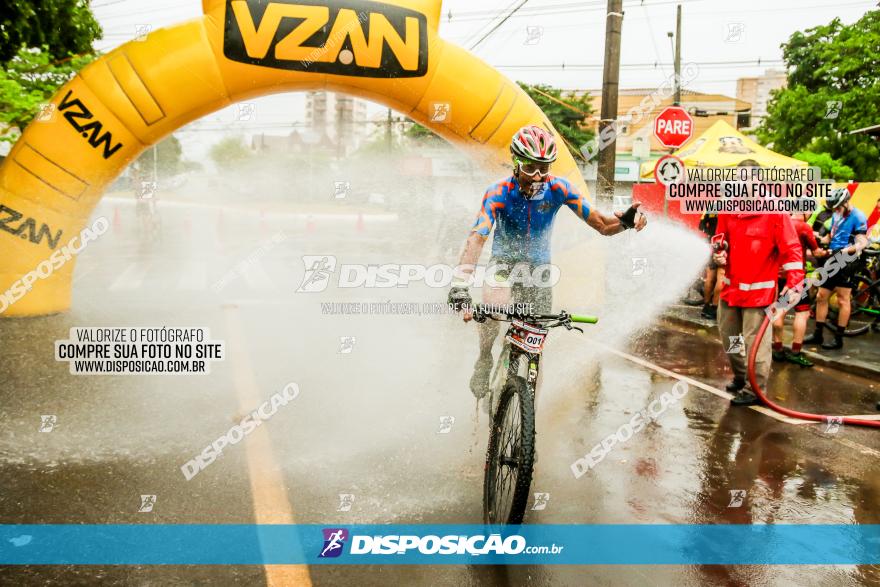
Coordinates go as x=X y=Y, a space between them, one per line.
x=132 y=278
x=723 y=394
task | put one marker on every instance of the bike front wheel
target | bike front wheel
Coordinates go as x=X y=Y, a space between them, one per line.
x=511 y=455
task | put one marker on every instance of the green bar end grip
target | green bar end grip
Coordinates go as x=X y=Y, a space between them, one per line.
x=585 y=319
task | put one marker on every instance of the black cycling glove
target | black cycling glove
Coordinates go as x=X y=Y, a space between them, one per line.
x=459 y=297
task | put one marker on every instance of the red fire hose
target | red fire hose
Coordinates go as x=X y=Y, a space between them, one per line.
x=753 y=353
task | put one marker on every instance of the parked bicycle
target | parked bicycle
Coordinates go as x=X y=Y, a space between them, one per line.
x=865 y=314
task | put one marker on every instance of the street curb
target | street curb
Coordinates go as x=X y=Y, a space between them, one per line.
x=853 y=366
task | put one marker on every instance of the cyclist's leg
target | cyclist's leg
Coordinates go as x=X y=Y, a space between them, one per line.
x=496 y=295
x=778 y=329
x=709 y=284
x=495 y=292
x=822 y=298
x=719 y=285
x=799 y=329
x=844 y=303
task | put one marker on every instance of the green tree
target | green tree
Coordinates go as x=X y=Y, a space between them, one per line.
x=831 y=168
x=230 y=152
x=420 y=133
x=829 y=65
x=168 y=158
x=568 y=112
x=27 y=83
x=65 y=27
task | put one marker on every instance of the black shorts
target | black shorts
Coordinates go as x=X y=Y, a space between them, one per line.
x=845 y=276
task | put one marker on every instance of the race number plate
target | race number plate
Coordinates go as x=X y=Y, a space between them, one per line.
x=527 y=337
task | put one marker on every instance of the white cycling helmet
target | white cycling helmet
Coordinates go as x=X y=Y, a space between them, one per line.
x=838 y=197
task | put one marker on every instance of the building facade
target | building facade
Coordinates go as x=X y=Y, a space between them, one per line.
x=756 y=91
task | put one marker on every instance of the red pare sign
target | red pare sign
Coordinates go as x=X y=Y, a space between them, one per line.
x=673 y=127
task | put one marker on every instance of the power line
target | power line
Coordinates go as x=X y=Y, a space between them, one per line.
x=494 y=14
x=569 y=8
x=581 y=66
x=497 y=26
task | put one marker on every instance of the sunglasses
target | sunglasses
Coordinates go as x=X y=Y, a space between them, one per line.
x=534 y=170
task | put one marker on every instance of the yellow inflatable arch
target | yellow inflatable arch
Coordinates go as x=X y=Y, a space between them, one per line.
x=388 y=52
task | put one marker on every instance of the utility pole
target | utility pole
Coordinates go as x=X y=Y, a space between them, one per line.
x=608 y=116
x=677 y=55
x=388 y=141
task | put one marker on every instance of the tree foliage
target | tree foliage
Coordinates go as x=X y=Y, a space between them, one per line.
x=417 y=132
x=65 y=27
x=27 y=83
x=829 y=65
x=230 y=152
x=568 y=112
x=831 y=168
x=168 y=157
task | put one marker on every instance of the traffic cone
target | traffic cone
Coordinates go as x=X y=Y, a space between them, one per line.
x=310 y=224
x=359 y=227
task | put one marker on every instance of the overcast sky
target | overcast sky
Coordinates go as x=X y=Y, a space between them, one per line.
x=725 y=38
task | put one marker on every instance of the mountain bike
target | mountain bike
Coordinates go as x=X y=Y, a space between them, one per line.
x=510 y=457
x=865 y=295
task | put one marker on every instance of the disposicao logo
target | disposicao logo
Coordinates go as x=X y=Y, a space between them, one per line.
x=334 y=541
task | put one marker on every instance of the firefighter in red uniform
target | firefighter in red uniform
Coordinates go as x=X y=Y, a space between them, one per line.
x=757 y=245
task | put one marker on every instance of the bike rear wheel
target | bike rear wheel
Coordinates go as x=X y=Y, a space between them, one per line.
x=511 y=454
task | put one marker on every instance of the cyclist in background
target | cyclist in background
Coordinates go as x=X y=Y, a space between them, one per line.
x=714 y=274
x=802 y=309
x=848 y=230
x=521 y=209
x=820 y=220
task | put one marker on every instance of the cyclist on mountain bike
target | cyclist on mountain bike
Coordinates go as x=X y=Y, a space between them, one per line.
x=522 y=208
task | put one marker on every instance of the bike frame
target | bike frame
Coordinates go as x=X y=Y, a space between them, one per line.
x=515 y=452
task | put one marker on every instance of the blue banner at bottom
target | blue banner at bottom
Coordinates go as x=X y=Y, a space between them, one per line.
x=163 y=544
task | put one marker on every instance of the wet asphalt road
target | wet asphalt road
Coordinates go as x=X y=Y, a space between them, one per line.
x=366 y=423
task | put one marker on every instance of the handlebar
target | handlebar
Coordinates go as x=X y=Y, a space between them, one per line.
x=584 y=319
x=482 y=312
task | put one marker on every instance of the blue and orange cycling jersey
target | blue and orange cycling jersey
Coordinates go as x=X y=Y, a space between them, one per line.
x=523 y=226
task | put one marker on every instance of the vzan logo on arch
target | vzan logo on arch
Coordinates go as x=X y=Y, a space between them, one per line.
x=350 y=37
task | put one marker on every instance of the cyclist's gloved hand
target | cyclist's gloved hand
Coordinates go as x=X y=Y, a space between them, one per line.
x=632 y=218
x=459 y=298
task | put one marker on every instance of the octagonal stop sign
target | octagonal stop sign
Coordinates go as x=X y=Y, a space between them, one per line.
x=673 y=127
